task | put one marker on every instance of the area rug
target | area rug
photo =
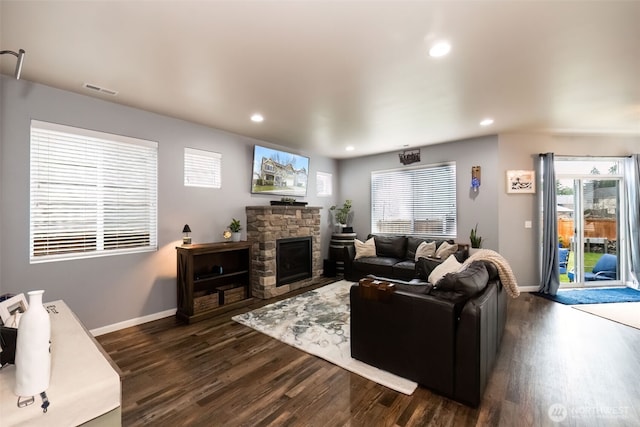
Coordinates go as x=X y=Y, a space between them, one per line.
x=594 y=296
x=627 y=313
x=318 y=322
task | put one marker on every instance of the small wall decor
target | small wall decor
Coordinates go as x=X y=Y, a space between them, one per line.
x=13 y=307
x=475 y=177
x=521 y=182
x=409 y=156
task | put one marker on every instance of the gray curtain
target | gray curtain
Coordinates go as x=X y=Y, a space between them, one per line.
x=632 y=178
x=549 y=275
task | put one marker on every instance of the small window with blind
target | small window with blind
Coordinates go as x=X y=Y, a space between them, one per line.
x=202 y=168
x=415 y=201
x=324 y=184
x=92 y=193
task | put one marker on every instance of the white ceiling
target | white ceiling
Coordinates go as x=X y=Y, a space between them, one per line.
x=327 y=74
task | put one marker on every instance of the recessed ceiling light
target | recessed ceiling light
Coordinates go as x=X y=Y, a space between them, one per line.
x=486 y=122
x=350 y=148
x=440 y=49
x=257 y=117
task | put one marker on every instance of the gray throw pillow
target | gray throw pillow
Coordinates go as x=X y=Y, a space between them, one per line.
x=424 y=267
x=470 y=281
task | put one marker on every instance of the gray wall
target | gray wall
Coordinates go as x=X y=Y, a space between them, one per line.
x=520 y=151
x=500 y=216
x=107 y=290
x=480 y=207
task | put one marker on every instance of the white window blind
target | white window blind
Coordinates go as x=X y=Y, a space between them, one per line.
x=419 y=201
x=202 y=168
x=91 y=194
x=324 y=184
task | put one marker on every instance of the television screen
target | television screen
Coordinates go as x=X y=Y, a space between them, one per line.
x=279 y=172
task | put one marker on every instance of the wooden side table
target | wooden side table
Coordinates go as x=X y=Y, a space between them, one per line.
x=336 y=249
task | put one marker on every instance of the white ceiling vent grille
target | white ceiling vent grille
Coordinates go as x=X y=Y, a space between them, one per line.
x=96 y=88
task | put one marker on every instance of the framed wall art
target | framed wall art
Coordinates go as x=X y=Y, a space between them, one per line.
x=11 y=306
x=521 y=182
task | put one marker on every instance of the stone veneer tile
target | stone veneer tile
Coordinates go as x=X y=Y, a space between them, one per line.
x=265 y=225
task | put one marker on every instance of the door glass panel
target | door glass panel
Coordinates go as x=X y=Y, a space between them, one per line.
x=588 y=194
x=600 y=230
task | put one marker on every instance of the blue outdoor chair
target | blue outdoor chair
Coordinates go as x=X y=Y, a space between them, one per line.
x=605 y=269
x=563 y=259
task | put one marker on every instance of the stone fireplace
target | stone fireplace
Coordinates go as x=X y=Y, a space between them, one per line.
x=267 y=226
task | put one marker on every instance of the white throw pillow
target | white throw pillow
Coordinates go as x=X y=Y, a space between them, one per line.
x=365 y=249
x=450 y=265
x=446 y=249
x=425 y=250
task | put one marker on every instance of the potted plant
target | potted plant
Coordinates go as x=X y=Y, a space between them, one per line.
x=476 y=241
x=235 y=228
x=341 y=215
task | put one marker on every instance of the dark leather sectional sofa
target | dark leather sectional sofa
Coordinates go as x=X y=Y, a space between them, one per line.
x=395 y=258
x=445 y=338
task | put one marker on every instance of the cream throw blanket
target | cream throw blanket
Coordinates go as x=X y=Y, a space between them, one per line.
x=504 y=269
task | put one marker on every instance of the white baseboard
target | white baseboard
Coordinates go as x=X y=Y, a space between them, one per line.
x=529 y=288
x=132 y=322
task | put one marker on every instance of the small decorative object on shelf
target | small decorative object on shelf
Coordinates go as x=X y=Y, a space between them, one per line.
x=186 y=240
x=227 y=235
x=235 y=228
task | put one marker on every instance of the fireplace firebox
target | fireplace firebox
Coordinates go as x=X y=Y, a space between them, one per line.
x=293 y=260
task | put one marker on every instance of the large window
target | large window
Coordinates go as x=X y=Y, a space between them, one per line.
x=92 y=193
x=419 y=201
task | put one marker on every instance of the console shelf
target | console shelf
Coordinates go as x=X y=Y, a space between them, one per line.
x=212 y=278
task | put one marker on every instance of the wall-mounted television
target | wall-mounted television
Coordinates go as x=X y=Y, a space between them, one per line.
x=278 y=172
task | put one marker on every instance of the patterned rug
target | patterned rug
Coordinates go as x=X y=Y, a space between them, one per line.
x=318 y=322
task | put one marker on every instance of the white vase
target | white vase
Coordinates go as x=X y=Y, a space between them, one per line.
x=33 y=358
x=235 y=237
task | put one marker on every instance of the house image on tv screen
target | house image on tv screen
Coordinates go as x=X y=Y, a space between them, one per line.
x=277 y=172
x=273 y=173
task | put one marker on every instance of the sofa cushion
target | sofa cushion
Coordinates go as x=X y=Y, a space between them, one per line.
x=468 y=281
x=405 y=270
x=378 y=266
x=450 y=265
x=412 y=245
x=446 y=249
x=426 y=250
x=364 y=249
x=424 y=267
x=391 y=246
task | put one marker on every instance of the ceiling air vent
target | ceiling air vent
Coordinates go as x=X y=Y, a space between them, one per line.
x=97 y=88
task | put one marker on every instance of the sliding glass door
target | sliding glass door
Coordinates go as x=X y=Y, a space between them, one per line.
x=589 y=196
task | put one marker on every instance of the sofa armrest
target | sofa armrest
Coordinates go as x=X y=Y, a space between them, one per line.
x=478 y=341
x=411 y=335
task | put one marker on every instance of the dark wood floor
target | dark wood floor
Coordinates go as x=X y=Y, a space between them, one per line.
x=220 y=373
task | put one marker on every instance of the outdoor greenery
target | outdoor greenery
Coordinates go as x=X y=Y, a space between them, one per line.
x=590 y=259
